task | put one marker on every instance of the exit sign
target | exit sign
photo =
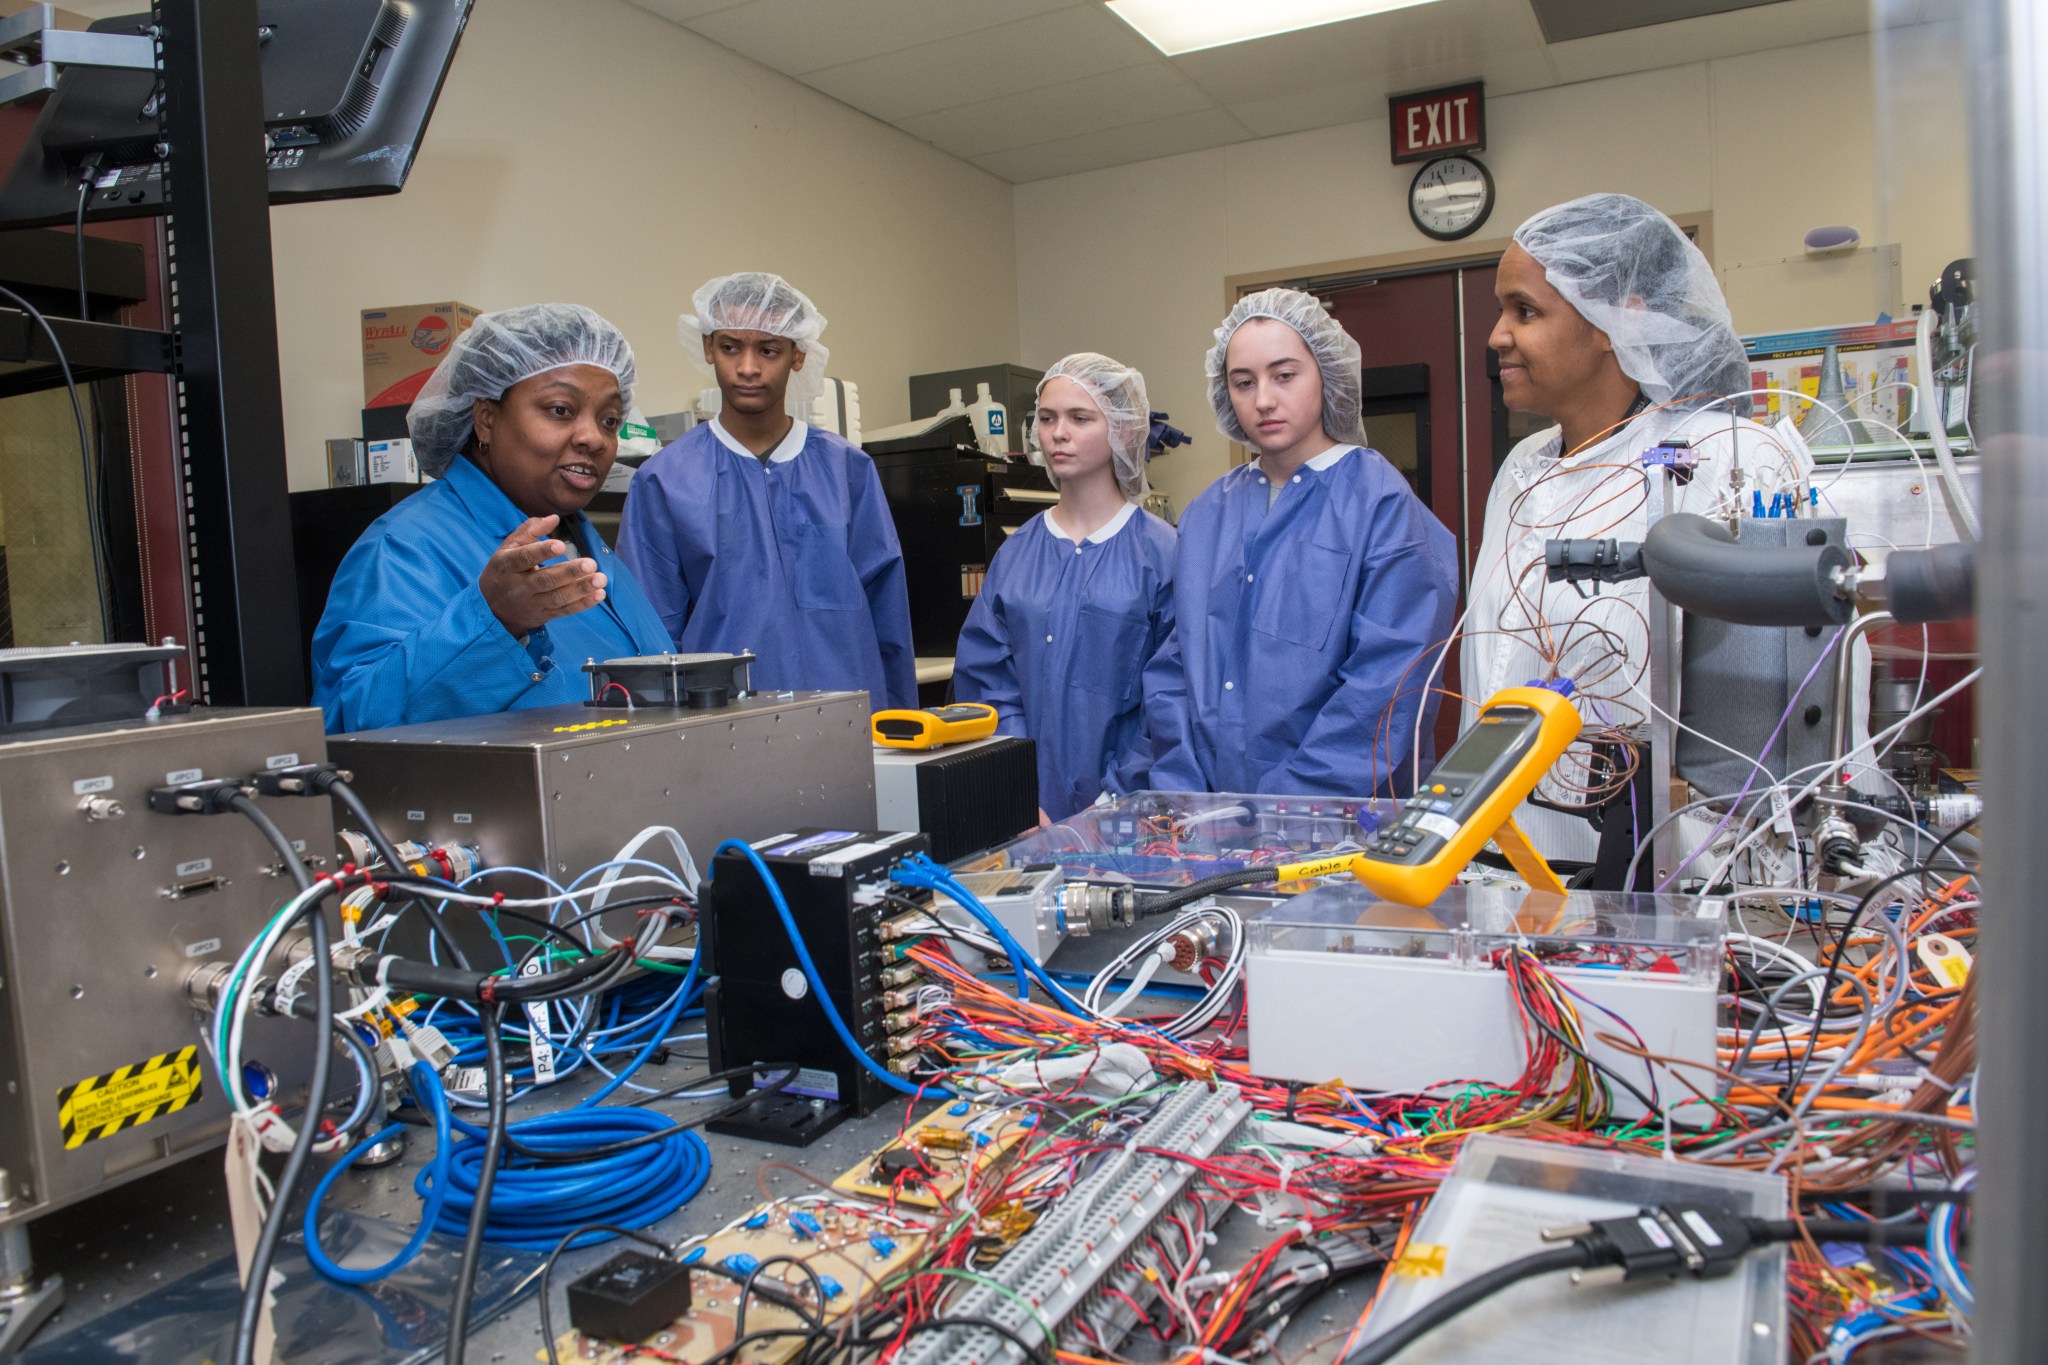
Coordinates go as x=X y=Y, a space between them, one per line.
x=1438 y=122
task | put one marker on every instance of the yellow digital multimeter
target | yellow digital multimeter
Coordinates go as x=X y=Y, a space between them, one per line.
x=1471 y=797
x=928 y=729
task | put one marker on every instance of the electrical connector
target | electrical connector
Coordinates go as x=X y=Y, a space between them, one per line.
x=301 y=779
x=901 y=976
x=212 y=796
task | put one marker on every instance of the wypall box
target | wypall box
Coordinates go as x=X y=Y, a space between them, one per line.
x=402 y=345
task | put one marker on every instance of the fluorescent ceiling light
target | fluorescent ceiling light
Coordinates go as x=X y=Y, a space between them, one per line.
x=1177 y=26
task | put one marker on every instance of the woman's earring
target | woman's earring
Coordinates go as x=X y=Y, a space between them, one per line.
x=483 y=448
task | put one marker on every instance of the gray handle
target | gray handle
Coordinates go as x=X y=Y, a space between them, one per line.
x=1698 y=565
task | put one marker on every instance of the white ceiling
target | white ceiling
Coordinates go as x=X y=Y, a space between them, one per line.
x=1027 y=89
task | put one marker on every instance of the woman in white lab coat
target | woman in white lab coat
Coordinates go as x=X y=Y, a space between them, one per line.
x=1613 y=325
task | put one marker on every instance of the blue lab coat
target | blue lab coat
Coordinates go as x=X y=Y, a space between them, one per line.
x=1057 y=642
x=408 y=637
x=1294 y=628
x=795 y=559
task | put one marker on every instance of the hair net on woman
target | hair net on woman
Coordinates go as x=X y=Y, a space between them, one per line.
x=1119 y=391
x=1336 y=356
x=499 y=350
x=756 y=301
x=1631 y=272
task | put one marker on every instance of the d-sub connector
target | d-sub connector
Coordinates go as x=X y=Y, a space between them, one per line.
x=901 y=976
x=900 y=1021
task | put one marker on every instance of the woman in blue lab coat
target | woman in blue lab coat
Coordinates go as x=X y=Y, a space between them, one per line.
x=487 y=589
x=757 y=531
x=1308 y=585
x=1080 y=597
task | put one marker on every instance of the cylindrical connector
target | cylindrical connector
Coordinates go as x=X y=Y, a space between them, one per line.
x=101 y=808
x=17 y=1267
x=1191 y=945
x=205 y=982
x=1083 y=908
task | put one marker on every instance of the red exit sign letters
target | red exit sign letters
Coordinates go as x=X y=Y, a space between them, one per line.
x=1438 y=122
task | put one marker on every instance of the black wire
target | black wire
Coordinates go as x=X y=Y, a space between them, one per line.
x=554 y=1157
x=257 y=1287
x=84 y=453
x=486 y=1177
x=1208 y=886
x=1462 y=1296
x=748 y=1289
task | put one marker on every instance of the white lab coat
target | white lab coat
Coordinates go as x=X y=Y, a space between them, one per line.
x=1602 y=644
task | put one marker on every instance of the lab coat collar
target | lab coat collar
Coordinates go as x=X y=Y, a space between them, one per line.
x=1328 y=458
x=788 y=449
x=1103 y=532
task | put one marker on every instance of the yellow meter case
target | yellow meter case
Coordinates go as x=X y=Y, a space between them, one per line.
x=934 y=727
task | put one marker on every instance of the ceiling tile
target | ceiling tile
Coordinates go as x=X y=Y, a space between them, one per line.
x=1451 y=34
x=1116 y=146
x=1137 y=94
x=683 y=11
x=798 y=36
x=1787 y=24
x=1063 y=45
x=1366 y=96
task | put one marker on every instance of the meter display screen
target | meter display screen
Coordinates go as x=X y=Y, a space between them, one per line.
x=1484 y=745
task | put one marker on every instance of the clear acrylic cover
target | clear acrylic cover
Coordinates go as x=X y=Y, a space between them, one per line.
x=1173 y=838
x=1607 y=931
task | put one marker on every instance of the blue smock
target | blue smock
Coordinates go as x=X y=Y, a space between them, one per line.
x=1295 y=627
x=1057 y=642
x=794 y=558
x=407 y=636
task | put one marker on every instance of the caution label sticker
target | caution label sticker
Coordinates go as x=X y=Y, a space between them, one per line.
x=102 y=1106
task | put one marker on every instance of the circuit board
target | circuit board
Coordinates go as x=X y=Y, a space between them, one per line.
x=851 y=1250
x=931 y=1162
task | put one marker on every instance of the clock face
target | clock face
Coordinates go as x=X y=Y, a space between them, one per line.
x=1450 y=197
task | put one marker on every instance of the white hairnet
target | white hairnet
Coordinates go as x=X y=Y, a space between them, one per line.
x=1119 y=391
x=1631 y=272
x=1335 y=353
x=755 y=301
x=499 y=350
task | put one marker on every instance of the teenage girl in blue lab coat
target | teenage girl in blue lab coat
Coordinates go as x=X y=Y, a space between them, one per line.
x=1308 y=583
x=1080 y=597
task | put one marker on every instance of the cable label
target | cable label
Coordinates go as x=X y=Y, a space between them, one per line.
x=101 y=1106
x=537 y=1032
x=1421 y=1261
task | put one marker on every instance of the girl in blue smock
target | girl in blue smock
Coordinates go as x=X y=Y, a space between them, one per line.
x=757 y=531
x=1310 y=586
x=488 y=589
x=1078 y=599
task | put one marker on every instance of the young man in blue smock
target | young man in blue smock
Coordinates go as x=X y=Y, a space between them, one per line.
x=757 y=531
x=1310 y=584
x=1080 y=596
x=486 y=590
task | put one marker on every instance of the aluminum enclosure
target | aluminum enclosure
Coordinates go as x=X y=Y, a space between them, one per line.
x=562 y=788
x=101 y=917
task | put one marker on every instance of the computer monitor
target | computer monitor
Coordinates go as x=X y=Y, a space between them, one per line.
x=348 y=87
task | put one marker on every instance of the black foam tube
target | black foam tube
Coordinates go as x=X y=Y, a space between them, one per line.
x=1698 y=565
x=1938 y=584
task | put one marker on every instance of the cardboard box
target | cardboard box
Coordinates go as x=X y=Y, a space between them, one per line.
x=392 y=462
x=403 y=344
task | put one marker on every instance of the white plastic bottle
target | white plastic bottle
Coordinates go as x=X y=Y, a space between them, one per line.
x=991 y=422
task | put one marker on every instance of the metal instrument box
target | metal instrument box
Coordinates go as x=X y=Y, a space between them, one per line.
x=105 y=906
x=561 y=789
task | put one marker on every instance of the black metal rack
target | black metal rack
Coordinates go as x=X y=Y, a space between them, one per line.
x=221 y=353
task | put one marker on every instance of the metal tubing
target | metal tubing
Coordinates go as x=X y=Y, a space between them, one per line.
x=2007 y=77
x=1836 y=788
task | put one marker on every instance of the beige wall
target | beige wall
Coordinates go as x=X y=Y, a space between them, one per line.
x=1132 y=260
x=619 y=161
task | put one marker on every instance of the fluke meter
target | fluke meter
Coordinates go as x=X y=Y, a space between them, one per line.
x=1471 y=797
x=930 y=728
